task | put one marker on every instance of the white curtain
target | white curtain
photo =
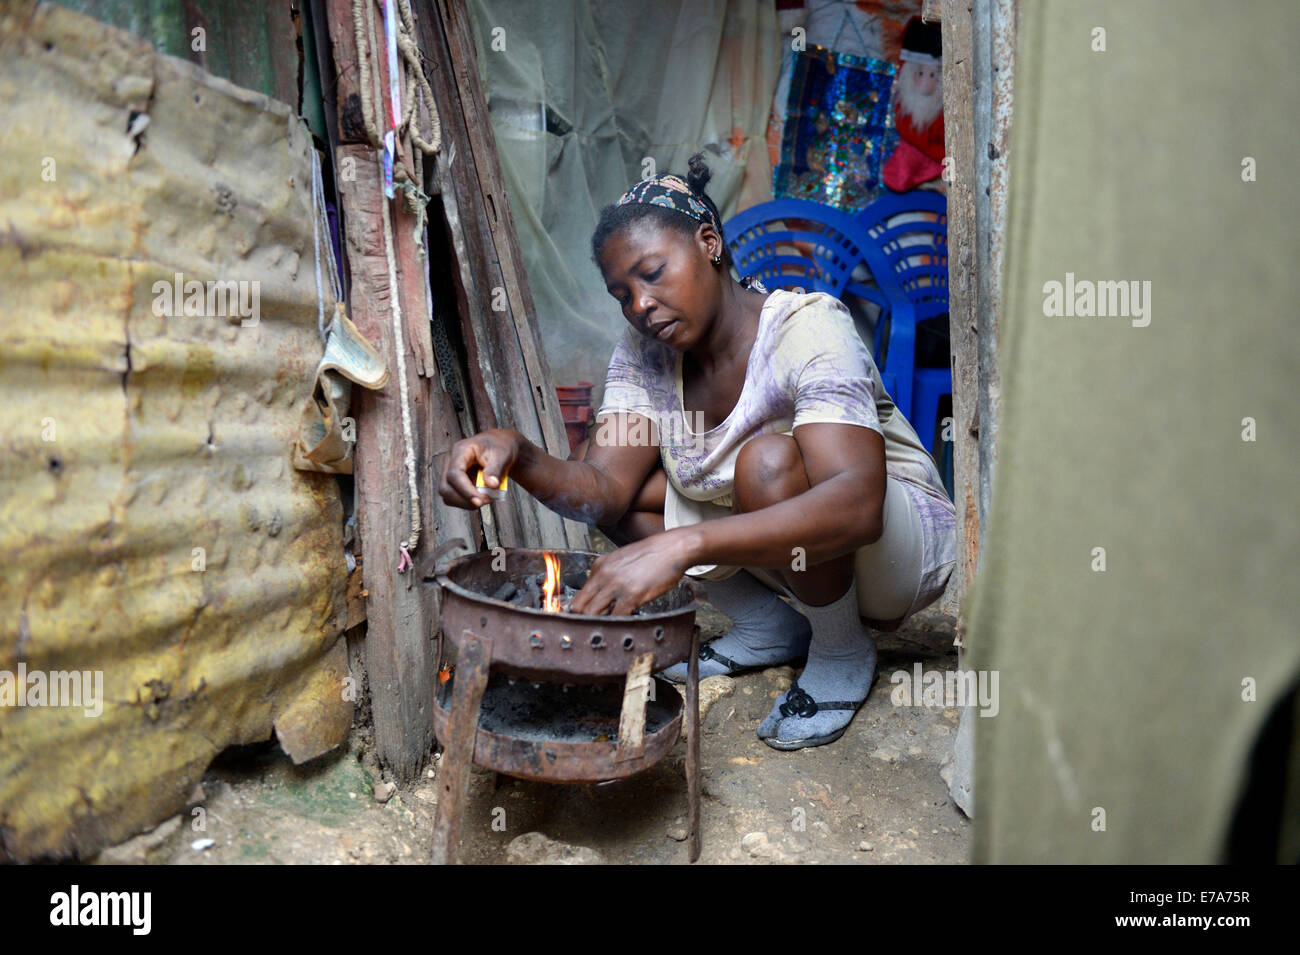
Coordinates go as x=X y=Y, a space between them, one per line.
x=584 y=96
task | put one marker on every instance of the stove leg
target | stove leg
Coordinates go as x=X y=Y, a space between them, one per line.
x=474 y=657
x=692 y=746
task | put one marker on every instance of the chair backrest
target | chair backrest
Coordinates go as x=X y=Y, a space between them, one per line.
x=796 y=243
x=911 y=231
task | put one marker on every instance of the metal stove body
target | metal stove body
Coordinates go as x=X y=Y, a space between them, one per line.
x=495 y=642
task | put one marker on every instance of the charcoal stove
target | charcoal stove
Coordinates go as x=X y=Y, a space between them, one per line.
x=553 y=695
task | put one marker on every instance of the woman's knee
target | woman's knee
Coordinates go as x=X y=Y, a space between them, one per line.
x=769 y=469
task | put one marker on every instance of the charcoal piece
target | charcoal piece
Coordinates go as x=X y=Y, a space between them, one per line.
x=575 y=579
x=505 y=591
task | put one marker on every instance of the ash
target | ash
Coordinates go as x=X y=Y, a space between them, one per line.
x=549 y=712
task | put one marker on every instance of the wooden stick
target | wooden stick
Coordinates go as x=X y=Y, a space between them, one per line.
x=631 y=722
x=693 y=745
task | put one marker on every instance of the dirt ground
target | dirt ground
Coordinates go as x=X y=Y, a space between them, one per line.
x=874 y=796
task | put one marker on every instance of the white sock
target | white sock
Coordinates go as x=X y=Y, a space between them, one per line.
x=766 y=631
x=841 y=665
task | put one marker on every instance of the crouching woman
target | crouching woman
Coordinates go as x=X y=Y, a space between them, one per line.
x=744 y=438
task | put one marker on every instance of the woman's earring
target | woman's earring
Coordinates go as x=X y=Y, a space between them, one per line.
x=716 y=260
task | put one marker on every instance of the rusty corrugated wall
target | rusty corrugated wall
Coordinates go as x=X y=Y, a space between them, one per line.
x=249 y=42
x=132 y=440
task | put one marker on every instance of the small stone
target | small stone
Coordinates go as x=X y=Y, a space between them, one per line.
x=198 y=845
x=678 y=830
x=751 y=842
x=534 y=848
x=865 y=846
x=384 y=791
x=712 y=689
x=141 y=849
x=781 y=676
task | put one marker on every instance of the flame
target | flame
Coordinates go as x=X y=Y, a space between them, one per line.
x=552 y=588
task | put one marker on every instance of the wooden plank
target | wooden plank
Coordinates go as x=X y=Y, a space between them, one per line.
x=347 y=102
x=631 y=721
x=993 y=127
x=399 y=656
x=401 y=613
x=958 y=118
x=695 y=836
x=347 y=70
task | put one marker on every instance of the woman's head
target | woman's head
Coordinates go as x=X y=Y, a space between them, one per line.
x=661 y=251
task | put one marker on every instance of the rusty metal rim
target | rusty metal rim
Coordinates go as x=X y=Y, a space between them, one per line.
x=443 y=577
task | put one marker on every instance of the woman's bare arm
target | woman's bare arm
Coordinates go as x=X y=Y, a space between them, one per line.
x=596 y=490
x=840 y=512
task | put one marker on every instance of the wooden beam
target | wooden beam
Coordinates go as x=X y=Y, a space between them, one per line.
x=401 y=614
x=959 y=143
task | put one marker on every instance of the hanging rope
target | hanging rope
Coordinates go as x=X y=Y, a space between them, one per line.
x=399 y=345
x=414 y=85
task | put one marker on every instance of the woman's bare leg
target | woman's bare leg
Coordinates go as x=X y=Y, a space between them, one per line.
x=769 y=469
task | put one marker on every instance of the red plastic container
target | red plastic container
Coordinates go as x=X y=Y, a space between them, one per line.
x=576 y=411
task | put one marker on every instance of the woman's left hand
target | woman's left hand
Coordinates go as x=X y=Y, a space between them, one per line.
x=625 y=579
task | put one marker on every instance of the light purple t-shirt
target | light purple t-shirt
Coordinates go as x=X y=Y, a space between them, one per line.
x=808 y=364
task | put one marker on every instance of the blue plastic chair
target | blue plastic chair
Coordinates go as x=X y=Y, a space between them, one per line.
x=797 y=244
x=910 y=286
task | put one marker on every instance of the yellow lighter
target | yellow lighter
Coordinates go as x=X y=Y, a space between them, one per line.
x=492 y=493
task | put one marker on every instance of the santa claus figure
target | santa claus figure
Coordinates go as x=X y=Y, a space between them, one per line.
x=918 y=110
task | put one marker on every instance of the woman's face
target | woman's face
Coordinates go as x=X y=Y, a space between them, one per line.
x=663 y=280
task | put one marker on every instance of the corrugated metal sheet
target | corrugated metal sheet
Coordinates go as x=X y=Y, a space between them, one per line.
x=169 y=434
x=249 y=42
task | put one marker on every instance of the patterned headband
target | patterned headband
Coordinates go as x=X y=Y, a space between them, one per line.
x=671 y=192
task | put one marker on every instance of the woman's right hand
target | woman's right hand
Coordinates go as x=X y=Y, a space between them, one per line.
x=493 y=451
